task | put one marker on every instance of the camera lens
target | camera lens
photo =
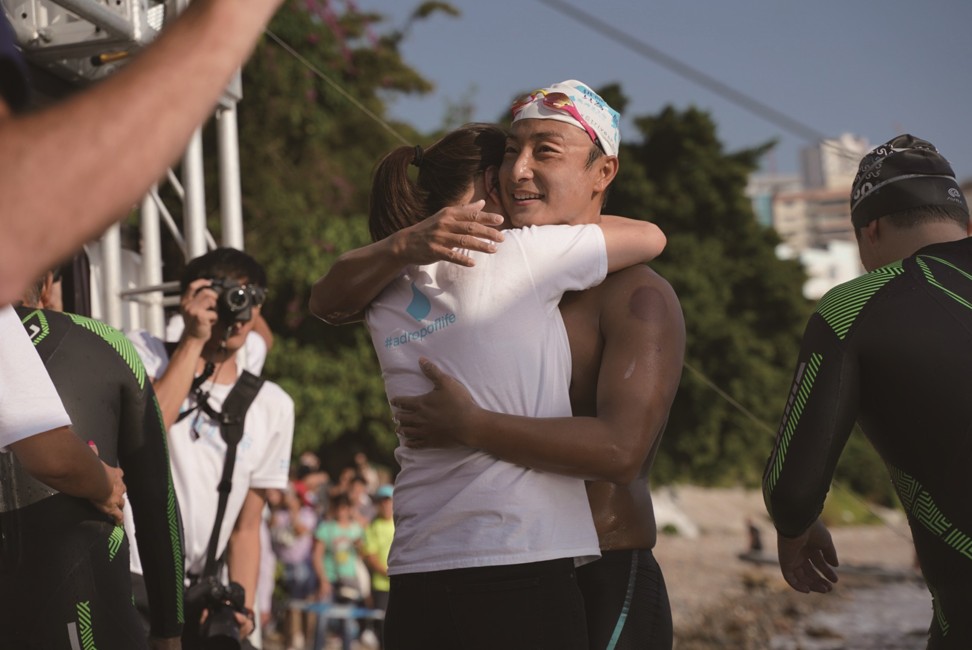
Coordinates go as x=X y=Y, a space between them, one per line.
x=237 y=298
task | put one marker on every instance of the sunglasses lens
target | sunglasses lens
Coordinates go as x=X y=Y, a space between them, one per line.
x=557 y=100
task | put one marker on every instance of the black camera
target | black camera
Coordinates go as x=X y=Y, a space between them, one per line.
x=236 y=301
x=220 y=630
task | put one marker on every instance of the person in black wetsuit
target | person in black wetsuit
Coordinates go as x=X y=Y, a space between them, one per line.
x=64 y=573
x=892 y=350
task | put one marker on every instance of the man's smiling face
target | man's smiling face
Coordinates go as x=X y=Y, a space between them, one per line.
x=545 y=178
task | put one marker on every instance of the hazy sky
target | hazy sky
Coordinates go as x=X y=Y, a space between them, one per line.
x=874 y=68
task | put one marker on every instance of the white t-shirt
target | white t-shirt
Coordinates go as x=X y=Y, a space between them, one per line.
x=197 y=452
x=497 y=328
x=29 y=403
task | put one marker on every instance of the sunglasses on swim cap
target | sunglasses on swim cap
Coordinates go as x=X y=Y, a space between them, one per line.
x=559 y=102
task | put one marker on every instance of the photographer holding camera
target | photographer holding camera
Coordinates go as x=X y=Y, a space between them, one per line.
x=230 y=438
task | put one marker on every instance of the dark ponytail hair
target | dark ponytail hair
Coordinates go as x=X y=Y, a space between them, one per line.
x=445 y=171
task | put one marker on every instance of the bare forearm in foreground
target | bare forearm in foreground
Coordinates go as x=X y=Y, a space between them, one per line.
x=54 y=202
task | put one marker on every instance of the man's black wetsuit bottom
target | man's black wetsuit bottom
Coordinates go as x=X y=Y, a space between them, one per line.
x=65 y=586
x=626 y=602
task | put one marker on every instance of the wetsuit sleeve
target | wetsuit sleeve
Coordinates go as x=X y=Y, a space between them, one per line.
x=819 y=415
x=143 y=455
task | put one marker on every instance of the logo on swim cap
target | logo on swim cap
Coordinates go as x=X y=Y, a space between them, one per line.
x=575 y=103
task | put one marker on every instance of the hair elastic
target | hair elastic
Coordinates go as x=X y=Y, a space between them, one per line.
x=417 y=159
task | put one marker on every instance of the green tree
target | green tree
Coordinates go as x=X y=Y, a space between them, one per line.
x=309 y=139
x=744 y=310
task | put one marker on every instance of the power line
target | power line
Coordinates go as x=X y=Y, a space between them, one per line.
x=336 y=86
x=762 y=425
x=726 y=396
x=705 y=80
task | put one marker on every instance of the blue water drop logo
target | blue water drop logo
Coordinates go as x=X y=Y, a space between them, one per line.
x=420 y=306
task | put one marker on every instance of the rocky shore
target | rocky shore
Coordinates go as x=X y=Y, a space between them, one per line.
x=722 y=601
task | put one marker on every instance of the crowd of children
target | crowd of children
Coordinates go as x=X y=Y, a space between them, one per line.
x=328 y=543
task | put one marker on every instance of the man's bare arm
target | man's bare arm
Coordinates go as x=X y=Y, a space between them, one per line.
x=640 y=369
x=243 y=552
x=198 y=307
x=120 y=136
x=358 y=276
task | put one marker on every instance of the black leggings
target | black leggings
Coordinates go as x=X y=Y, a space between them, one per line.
x=626 y=602
x=535 y=606
x=68 y=589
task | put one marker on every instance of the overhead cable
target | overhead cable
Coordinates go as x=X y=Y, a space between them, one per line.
x=336 y=86
x=682 y=69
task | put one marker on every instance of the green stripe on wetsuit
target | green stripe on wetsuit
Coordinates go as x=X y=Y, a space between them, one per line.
x=171 y=512
x=118 y=341
x=841 y=305
x=115 y=542
x=799 y=402
x=85 y=632
x=926 y=270
x=919 y=504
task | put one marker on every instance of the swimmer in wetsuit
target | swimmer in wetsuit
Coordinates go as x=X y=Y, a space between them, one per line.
x=64 y=567
x=892 y=350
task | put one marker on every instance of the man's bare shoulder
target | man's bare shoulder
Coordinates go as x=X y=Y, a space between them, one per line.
x=639 y=282
x=634 y=294
x=637 y=274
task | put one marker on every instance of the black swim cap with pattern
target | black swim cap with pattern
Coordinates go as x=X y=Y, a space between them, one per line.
x=904 y=172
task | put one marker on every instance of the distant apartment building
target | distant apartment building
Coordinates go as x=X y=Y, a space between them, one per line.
x=813 y=218
x=826 y=267
x=762 y=190
x=811 y=212
x=832 y=164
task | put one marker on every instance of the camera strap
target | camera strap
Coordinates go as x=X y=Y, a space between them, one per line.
x=196 y=388
x=231 y=419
